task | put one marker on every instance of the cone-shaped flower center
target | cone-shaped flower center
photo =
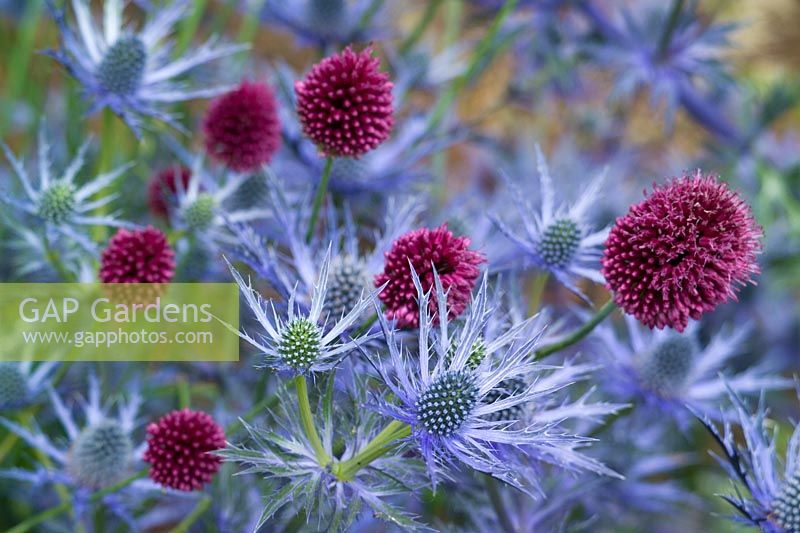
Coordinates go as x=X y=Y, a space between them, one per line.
x=346 y=283
x=668 y=365
x=99 y=454
x=122 y=68
x=506 y=389
x=786 y=508
x=13 y=386
x=200 y=214
x=57 y=202
x=559 y=242
x=300 y=344
x=476 y=354
x=447 y=402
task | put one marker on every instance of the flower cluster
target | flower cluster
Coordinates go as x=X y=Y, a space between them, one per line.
x=493 y=266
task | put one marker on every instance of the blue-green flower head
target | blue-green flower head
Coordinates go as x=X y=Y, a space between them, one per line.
x=13 y=386
x=666 y=367
x=100 y=454
x=57 y=202
x=447 y=402
x=121 y=70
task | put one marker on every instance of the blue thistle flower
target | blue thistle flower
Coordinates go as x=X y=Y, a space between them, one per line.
x=455 y=412
x=56 y=202
x=130 y=71
x=666 y=49
x=300 y=342
x=556 y=238
x=285 y=457
x=351 y=270
x=766 y=487
x=22 y=383
x=97 y=454
x=325 y=23
x=669 y=371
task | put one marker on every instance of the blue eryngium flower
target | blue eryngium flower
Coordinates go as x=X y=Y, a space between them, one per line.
x=301 y=342
x=21 y=383
x=324 y=22
x=483 y=404
x=130 y=71
x=668 y=371
x=99 y=452
x=556 y=238
x=772 y=497
x=284 y=456
x=355 y=257
x=56 y=202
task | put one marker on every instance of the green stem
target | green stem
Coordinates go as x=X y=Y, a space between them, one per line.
x=201 y=507
x=484 y=47
x=322 y=188
x=537 y=290
x=496 y=499
x=366 y=325
x=423 y=23
x=669 y=28
x=184 y=394
x=307 y=421
x=579 y=333
x=55 y=261
x=37 y=519
x=383 y=443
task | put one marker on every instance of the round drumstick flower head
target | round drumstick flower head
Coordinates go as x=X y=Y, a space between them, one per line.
x=179 y=447
x=139 y=256
x=242 y=128
x=681 y=252
x=427 y=251
x=345 y=104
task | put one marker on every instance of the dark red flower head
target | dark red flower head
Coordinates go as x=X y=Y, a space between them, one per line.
x=345 y=104
x=164 y=185
x=178 y=447
x=681 y=252
x=139 y=256
x=426 y=249
x=242 y=128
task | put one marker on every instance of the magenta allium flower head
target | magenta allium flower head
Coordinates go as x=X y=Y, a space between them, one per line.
x=345 y=104
x=164 y=184
x=178 y=447
x=139 y=256
x=425 y=250
x=242 y=128
x=681 y=252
